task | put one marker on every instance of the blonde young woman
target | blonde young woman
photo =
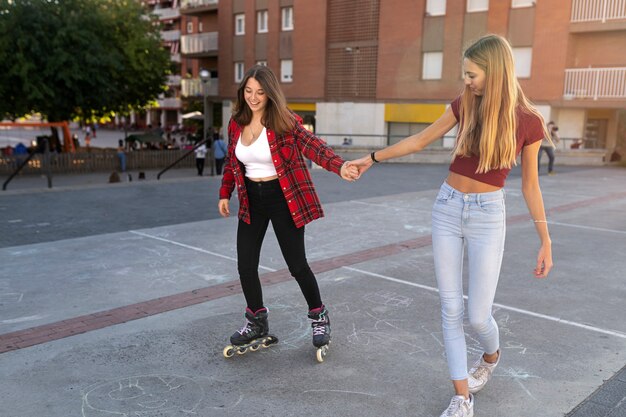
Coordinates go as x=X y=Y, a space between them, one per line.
x=496 y=123
x=265 y=163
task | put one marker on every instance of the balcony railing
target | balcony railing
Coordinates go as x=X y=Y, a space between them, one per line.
x=167 y=13
x=169 y=103
x=173 y=80
x=199 y=44
x=192 y=87
x=197 y=3
x=595 y=83
x=598 y=10
x=170 y=35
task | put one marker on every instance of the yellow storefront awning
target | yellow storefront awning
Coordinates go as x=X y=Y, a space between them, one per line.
x=302 y=106
x=413 y=113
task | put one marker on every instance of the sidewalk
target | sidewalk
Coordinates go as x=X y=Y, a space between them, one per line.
x=133 y=321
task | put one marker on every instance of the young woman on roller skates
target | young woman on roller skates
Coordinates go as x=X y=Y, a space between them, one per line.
x=496 y=123
x=265 y=164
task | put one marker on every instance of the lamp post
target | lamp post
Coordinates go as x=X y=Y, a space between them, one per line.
x=205 y=77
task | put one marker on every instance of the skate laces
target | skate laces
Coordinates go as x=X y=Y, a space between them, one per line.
x=247 y=328
x=319 y=326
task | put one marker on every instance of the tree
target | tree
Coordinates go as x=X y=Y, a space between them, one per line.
x=66 y=58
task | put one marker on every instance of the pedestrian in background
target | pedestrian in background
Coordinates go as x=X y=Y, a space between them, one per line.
x=219 y=149
x=496 y=123
x=547 y=146
x=121 y=154
x=265 y=163
x=200 y=152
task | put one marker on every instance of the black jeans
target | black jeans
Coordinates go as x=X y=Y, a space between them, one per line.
x=267 y=203
x=200 y=165
x=219 y=163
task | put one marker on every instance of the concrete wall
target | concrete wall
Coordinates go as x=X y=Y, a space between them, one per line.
x=334 y=121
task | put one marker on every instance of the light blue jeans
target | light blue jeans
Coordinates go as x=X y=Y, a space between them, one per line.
x=478 y=222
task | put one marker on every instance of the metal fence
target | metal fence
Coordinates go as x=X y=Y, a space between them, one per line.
x=76 y=163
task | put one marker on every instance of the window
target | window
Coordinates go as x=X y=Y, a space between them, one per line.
x=522 y=3
x=200 y=27
x=432 y=65
x=435 y=7
x=261 y=21
x=264 y=63
x=189 y=27
x=286 y=70
x=240 y=24
x=238 y=71
x=477 y=6
x=287 y=18
x=523 y=61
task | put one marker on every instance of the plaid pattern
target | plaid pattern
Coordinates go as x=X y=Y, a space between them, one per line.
x=288 y=152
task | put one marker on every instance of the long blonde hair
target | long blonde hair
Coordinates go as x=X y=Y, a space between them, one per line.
x=276 y=116
x=489 y=122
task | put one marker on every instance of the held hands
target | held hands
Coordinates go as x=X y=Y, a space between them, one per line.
x=352 y=170
x=222 y=206
x=544 y=261
x=361 y=165
x=349 y=172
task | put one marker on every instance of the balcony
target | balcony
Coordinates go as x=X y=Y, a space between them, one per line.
x=595 y=84
x=170 y=35
x=169 y=103
x=199 y=45
x=598 y=15
x=173 y=80
x=192 y=87
x=196 y=7
x=167 y=13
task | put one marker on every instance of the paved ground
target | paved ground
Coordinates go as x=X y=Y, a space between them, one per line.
x=117 y=300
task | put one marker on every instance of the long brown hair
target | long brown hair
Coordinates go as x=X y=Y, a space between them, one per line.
x=276 y=116
x=489 y=122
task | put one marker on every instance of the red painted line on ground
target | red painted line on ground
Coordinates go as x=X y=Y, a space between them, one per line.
x=77 y=325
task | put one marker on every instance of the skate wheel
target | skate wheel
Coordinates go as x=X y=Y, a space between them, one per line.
x=269 y=341
x=228 y=352
x=320 y=354
x=254 y=348
x=242 y=351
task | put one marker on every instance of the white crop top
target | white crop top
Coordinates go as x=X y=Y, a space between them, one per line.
x=257 y=157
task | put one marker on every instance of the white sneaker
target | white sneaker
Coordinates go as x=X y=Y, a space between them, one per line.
x=460 y=407
x=480 y=373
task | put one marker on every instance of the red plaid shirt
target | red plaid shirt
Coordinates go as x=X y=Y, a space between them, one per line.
x=287 y=153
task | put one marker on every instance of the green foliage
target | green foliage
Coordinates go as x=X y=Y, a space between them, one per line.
x=66 y=58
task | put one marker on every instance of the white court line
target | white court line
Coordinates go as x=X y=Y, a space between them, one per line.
x=600 y=229
x=502 y=306
x=195 y=248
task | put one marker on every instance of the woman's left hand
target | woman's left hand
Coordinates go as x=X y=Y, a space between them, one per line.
x=544 y=261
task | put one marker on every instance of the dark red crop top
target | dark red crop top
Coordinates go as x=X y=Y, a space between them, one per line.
x=529 y=130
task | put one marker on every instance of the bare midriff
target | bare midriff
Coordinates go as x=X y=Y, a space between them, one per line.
x=469 y=185
x=265 y=179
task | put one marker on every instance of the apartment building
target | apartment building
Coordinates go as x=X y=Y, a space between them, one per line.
x=168 y=108
x=375 y=71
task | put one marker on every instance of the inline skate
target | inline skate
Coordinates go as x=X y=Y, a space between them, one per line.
x=252 y=336
x=321 y=331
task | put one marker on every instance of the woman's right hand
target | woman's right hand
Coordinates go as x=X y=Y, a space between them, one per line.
x=222 y=206
x=361 y=164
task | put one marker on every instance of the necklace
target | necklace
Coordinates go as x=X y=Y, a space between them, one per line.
x=252 y=132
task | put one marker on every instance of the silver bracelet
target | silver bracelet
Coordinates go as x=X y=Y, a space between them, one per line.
x=540 y=221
